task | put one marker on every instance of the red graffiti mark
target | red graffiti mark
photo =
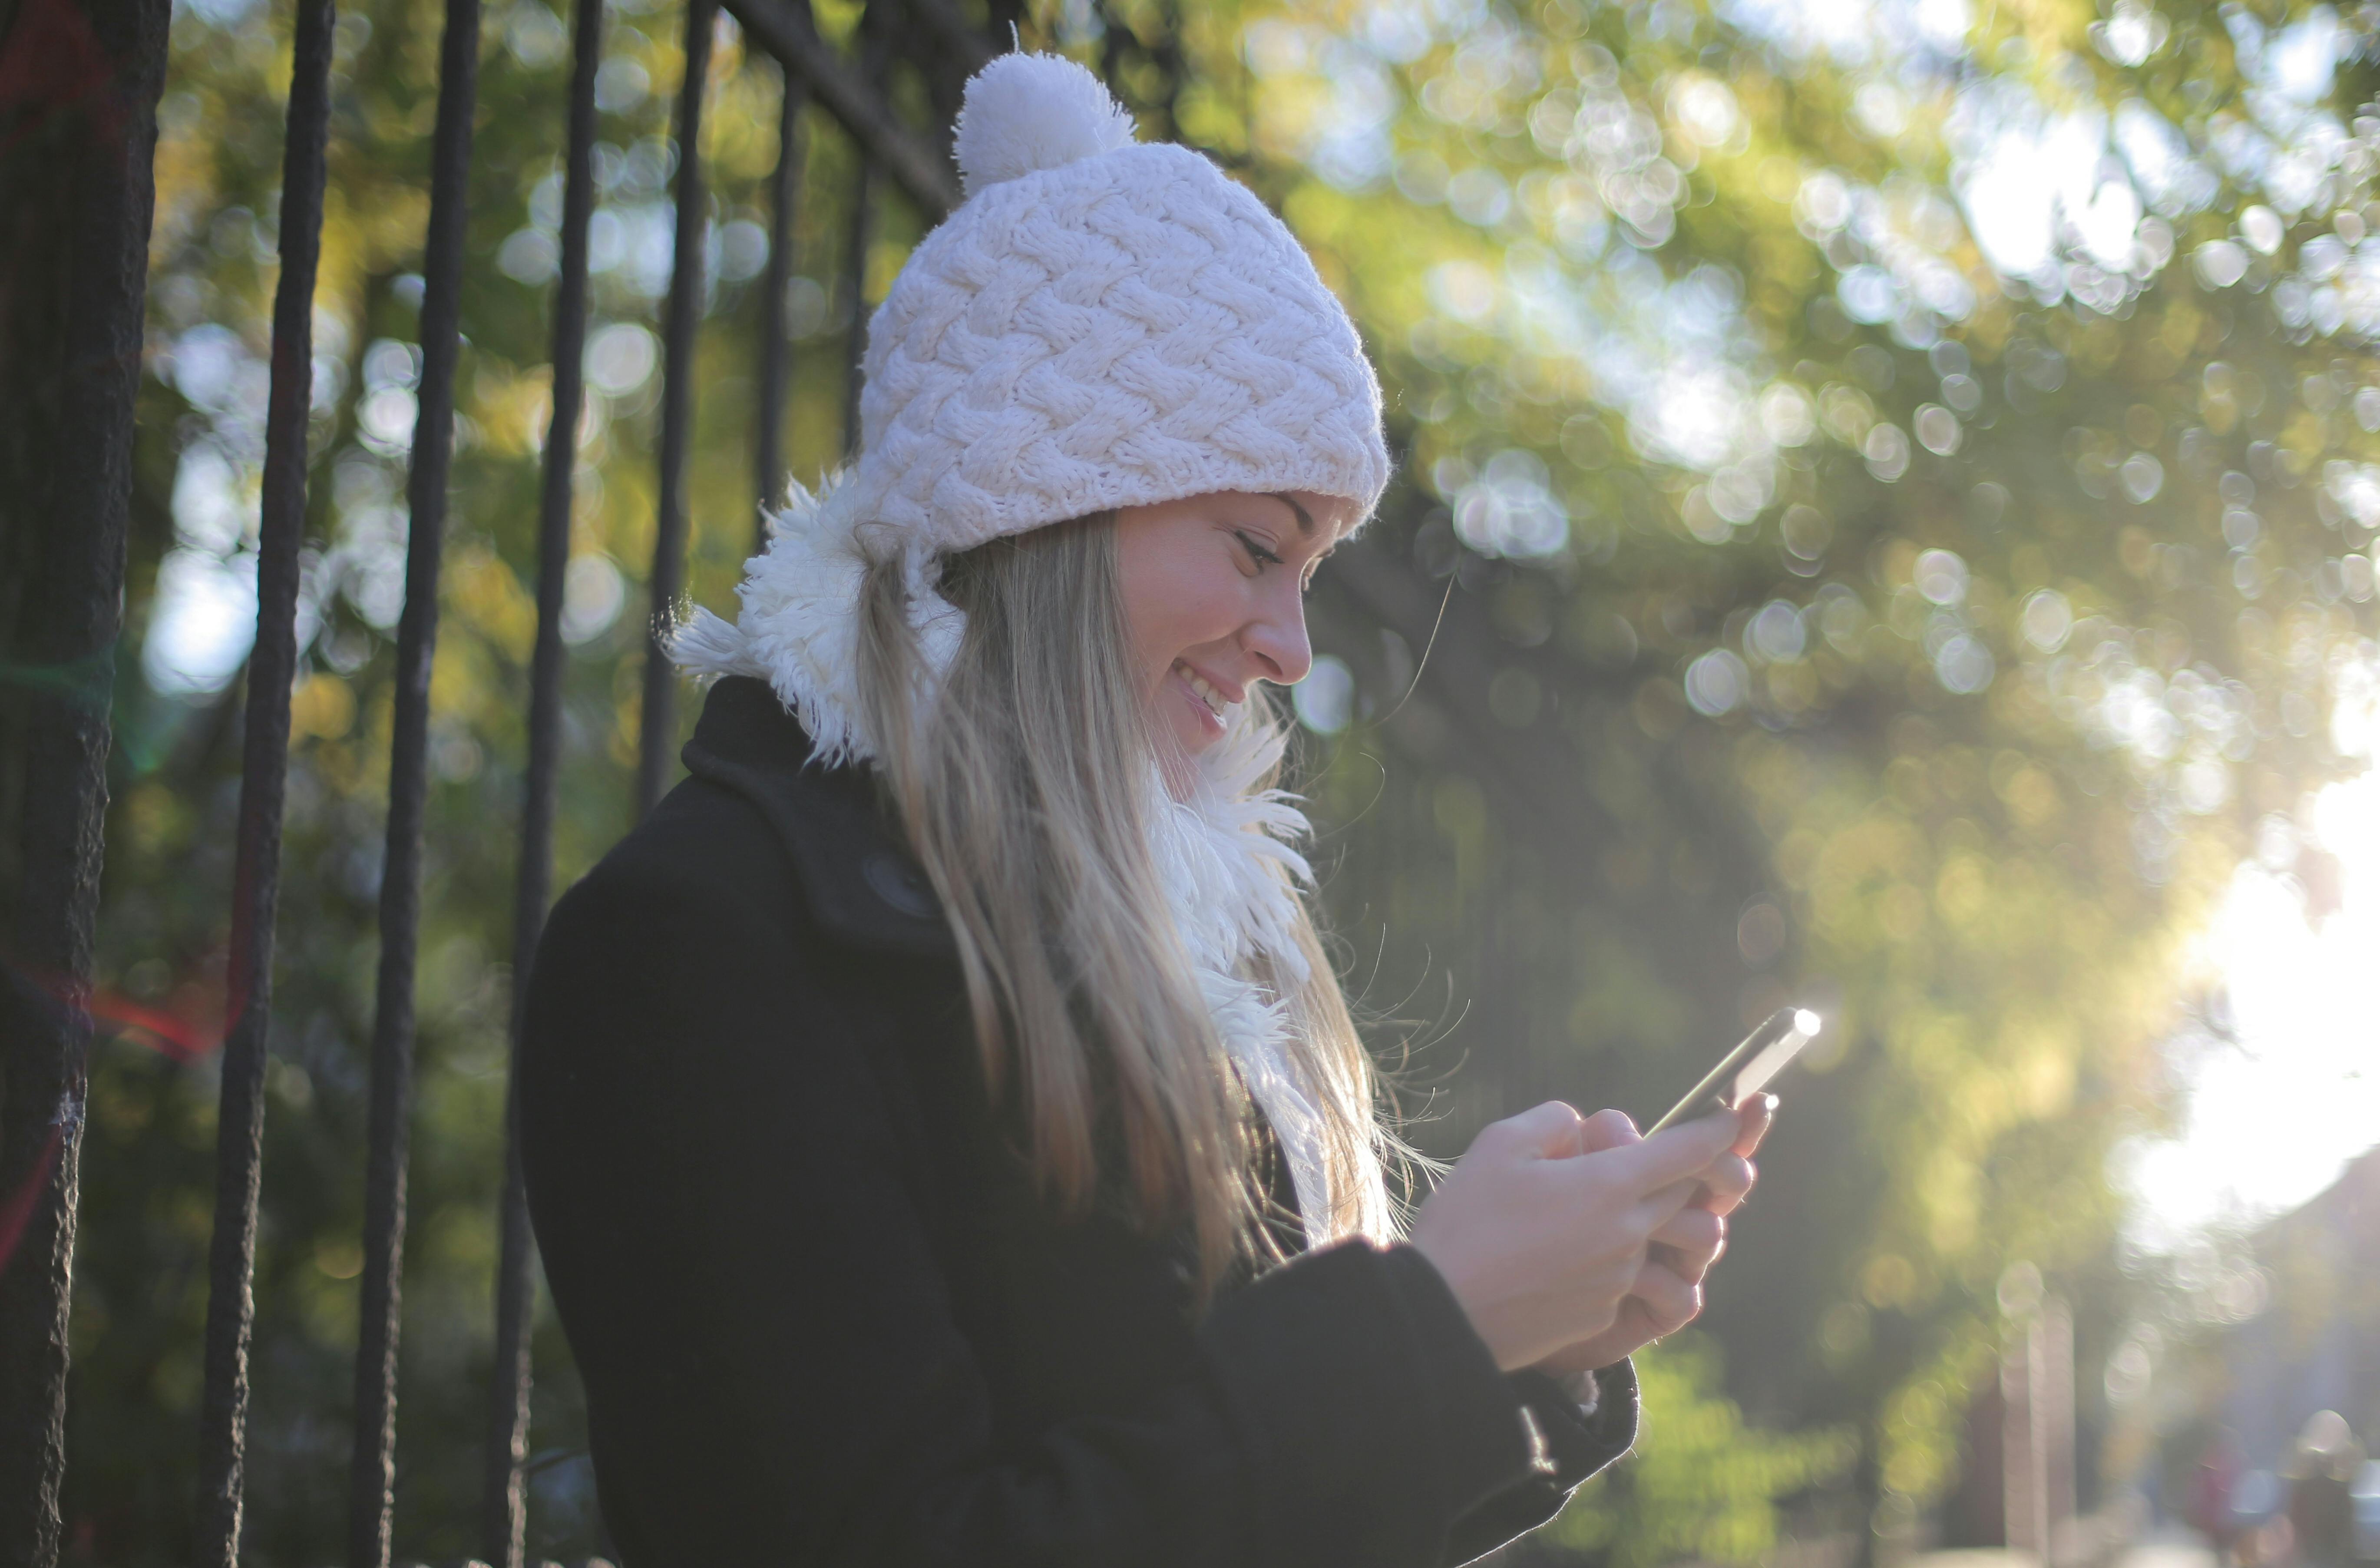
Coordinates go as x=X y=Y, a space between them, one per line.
x=17 y=1209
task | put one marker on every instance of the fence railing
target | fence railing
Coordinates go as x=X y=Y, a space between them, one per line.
x=59 y=904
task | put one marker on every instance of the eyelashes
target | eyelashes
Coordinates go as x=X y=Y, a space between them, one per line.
x=1264 y=557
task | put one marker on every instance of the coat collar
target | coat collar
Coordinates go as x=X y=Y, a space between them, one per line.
x=1224 y=856
x=859 y=880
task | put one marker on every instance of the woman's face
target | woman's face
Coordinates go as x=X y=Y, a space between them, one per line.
x=1214 y=593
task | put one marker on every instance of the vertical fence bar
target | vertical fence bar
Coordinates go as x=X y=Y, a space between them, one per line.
x=265 y=767
x=784 y=201
x=503 y=1512
x=75 y=198
x=656 y=742
x=860 y=236
x=874 y=57
x=372 y=1474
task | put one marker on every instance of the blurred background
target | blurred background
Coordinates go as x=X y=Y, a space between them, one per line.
x=1885 y=521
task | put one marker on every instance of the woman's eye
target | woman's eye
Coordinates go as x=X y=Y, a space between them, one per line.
x=1256 y=552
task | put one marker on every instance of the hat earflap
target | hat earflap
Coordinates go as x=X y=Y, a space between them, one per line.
x=800 y=625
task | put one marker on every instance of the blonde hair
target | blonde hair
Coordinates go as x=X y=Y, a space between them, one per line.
x=1020 y=779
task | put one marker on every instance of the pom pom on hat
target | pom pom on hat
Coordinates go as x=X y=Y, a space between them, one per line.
x=1024 y=113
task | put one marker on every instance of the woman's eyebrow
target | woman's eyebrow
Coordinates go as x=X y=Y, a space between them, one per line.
x=1305 y=518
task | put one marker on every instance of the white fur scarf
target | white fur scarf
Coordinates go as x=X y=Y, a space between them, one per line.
x=1225 y=851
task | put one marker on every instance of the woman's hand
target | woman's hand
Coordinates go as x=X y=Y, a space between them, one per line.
x=1542 y=1229
x=1668 y=1292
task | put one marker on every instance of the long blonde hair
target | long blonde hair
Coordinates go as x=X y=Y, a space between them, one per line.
x=1020 y=779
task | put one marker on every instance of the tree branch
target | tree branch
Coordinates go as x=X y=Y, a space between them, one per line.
x=783 y=27
x=971 y=49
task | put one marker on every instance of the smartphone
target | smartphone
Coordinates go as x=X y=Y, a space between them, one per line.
x=1747 y=1070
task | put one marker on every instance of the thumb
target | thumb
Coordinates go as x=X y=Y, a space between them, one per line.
x=1551 y=1131
x=1606 y=1129
x=1676 y=1152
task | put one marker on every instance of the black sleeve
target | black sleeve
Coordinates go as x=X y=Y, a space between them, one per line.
x=773 y=1373
x=1577 y=1444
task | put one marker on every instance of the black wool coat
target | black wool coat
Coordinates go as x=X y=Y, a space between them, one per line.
x=820 y=1316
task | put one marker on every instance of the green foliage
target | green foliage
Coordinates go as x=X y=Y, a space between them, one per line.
x=1922 y=640
x=1701 y=1483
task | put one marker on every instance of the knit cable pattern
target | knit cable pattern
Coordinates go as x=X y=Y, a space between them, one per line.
x=1127 y=328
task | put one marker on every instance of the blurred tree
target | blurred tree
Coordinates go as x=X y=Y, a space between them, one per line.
x=1886 y=511
x=1912 y=473
x=1700 y=1484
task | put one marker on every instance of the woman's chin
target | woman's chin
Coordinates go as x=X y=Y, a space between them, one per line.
x=1183 y=739
x=1192 y=739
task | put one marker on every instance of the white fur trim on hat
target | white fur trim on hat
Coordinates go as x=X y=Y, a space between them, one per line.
x=800 y=625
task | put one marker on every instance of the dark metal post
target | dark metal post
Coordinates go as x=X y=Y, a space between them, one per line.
x=256 y=878
x=784 y=201
x=372 y=1472
x=875 y=55
x=75 y=198
x=657 y=741
x=858 y=240
x=504 y=1515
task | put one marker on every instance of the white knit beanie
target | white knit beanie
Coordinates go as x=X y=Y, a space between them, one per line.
x=1101 y=323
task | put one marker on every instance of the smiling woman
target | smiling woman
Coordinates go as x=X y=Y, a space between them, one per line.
x=1009 y=1182
x=1213 y=591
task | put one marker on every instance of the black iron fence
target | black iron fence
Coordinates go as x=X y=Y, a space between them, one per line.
x=67 y=564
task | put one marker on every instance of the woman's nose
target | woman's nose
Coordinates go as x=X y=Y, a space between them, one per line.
x=1277 y=639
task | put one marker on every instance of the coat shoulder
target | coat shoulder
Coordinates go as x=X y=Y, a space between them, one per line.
x=856 y=875
x=704 y=854
x=757 y=891
x=686 y=975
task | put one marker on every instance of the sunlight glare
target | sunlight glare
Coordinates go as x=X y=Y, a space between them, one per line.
x=2270 y=1116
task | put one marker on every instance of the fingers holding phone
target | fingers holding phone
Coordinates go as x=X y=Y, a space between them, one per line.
x=1667 y=1300
x=1731 y=1175
x=1545 y=1226
x=1567 y=1236
x=1754 y=1117
x=1690 y=1243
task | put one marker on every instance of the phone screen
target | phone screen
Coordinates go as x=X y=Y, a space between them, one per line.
x=1748 y=1069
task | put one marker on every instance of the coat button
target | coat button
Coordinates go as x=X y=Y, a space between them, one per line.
x=898 y=885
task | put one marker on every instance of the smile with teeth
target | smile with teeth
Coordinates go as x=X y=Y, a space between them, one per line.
x=1215 y=701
